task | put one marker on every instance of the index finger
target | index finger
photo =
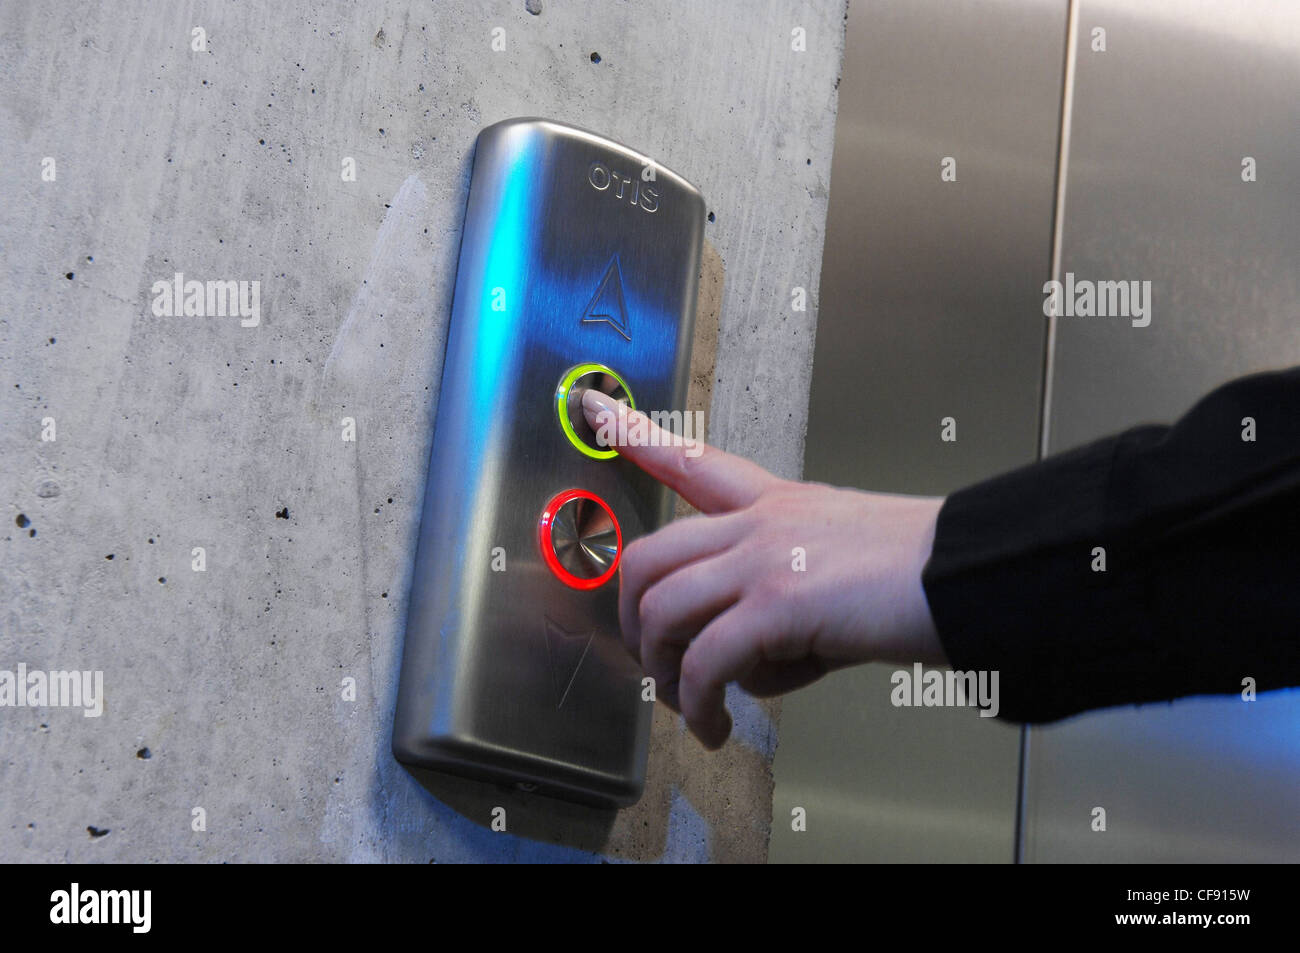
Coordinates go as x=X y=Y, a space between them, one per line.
x=711 y=480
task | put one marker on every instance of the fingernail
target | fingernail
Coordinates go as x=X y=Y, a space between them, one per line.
x=596 y=402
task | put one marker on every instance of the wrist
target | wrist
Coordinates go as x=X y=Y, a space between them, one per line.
x=921 y=641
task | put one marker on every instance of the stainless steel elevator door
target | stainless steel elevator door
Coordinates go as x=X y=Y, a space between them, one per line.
x=1160 y=125
x=929 y=308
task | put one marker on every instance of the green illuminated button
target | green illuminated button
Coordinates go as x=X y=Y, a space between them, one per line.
x=568 y=404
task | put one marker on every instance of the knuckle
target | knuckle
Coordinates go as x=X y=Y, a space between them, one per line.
x=776 y=501
x=632 y=559
x=653 y=611
x=774 y=597
x=690 y=468
x=694 y=675
x=633 y=550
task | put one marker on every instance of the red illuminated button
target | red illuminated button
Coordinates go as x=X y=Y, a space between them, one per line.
x=580 y=539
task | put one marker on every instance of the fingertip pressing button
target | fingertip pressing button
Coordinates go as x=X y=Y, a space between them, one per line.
x=568 y=404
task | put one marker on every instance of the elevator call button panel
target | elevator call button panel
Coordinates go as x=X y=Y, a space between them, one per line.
x=579 y=267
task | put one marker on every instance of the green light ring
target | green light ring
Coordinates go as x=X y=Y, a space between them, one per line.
x=562 y=405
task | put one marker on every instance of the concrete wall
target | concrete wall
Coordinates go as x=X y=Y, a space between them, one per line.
x=222 y=687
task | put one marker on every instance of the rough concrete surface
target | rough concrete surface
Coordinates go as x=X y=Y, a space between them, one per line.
x=131 y=439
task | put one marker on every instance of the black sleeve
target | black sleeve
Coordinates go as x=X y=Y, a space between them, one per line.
x=1201 y=588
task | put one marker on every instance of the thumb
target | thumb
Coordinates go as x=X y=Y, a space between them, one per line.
x=710 y=479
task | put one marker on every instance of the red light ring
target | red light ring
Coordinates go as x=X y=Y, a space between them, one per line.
x=545 y=528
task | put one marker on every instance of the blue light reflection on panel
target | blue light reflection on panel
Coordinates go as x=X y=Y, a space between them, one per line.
x=494 y=343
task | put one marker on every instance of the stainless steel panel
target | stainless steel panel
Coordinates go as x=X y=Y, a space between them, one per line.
x=1160 y=124
x=568 y=255
x=929 y=308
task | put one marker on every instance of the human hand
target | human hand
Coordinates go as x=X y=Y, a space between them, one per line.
x=776 y=583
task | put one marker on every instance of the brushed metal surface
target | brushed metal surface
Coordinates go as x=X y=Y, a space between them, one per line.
x=929 y=307
x=568 y=255
x=1161 y=122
